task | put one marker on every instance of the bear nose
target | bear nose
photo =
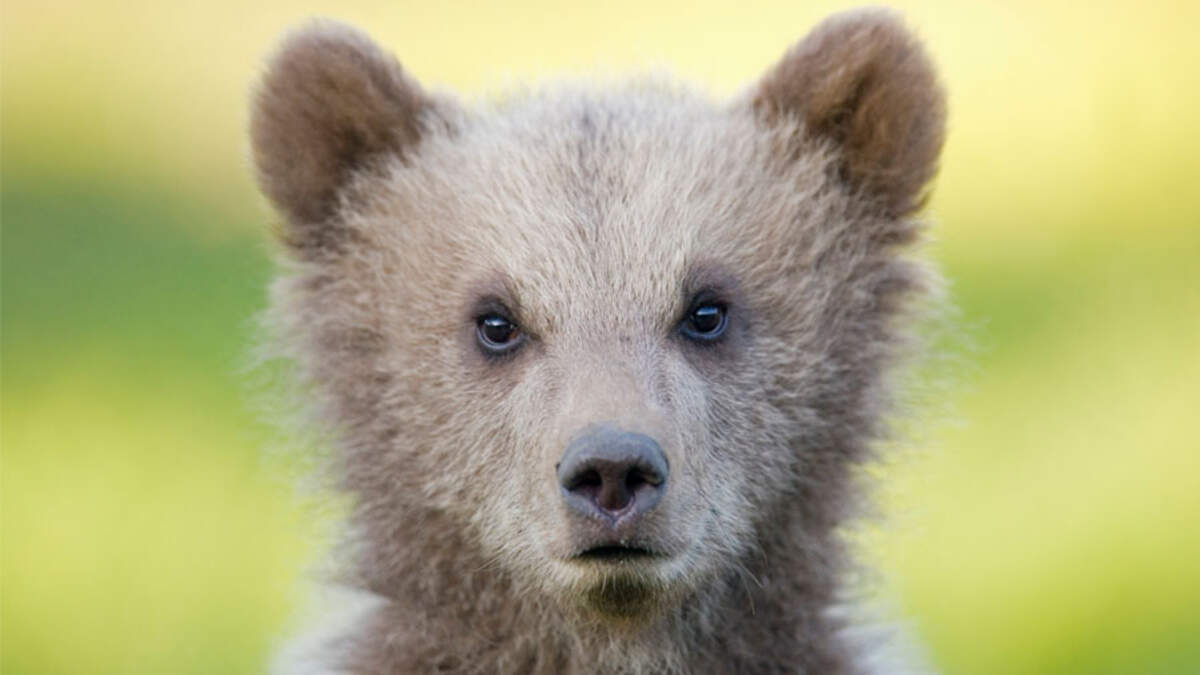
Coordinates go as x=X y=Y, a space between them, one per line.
x=612 y=473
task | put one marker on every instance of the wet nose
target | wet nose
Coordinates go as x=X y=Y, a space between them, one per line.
x=612 y=473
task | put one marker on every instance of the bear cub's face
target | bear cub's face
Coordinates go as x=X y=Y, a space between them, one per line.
x=611 y=343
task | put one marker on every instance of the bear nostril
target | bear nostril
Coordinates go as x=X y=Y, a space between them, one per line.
x=613 y=473
x=587 y=479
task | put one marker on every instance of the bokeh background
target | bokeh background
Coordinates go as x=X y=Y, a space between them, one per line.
x=1046 y=522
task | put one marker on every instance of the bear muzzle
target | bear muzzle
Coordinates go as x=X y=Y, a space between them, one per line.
x=609 y=479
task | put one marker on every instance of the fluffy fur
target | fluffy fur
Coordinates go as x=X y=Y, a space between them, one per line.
x=595 y=217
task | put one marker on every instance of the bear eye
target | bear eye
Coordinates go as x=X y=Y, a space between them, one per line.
x=706 y=322
x=497 y=334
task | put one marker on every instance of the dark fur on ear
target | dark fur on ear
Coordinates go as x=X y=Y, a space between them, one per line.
x=862 y=81
x=331 y=101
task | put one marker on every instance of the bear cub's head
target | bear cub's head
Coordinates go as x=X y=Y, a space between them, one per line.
x=614 y=351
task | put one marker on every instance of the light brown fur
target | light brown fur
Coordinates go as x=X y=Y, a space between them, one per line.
x=595 y=216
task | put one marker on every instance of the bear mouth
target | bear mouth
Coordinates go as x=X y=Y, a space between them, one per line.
x=615 y=553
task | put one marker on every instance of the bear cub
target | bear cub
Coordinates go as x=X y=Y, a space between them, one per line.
x=600 y=367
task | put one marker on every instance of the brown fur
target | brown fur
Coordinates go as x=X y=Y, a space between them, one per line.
x=594 y=217
x=869 y=86
x=331 y=102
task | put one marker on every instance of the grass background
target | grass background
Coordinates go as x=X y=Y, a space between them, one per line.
x=1047 y=524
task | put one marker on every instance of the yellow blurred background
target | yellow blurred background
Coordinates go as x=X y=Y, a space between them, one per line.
x=1047 y=522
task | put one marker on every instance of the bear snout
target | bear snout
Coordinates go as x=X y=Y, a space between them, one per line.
x=612 y=475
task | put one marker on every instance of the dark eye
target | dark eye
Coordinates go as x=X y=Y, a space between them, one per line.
x=497 y=335
x=706 y=322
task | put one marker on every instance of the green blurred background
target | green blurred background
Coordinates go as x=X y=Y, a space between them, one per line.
x=1046 y=524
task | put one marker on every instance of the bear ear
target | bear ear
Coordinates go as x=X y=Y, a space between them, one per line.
x=862 y=82
x=331 y=100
